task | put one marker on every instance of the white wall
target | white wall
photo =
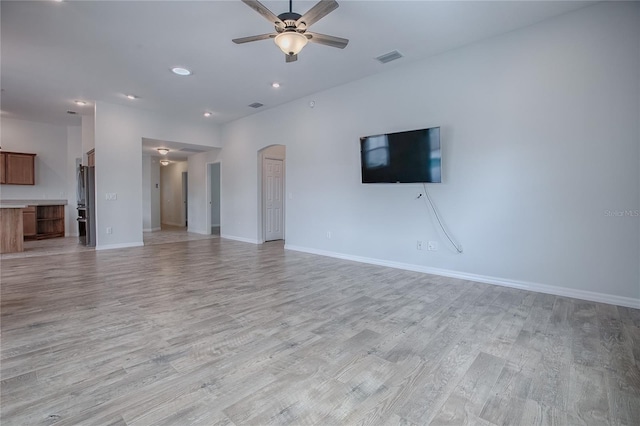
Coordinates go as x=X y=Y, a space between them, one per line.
x=74 y=153
x=88 y=136
x=199 y=191
x=172 y=210
x=118 y=147
x=540 y=139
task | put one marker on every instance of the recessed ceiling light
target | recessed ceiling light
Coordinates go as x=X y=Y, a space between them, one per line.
x=275 y=85
x=132 y=97
x=207 y=114
x=80 y=103
x=180 y=71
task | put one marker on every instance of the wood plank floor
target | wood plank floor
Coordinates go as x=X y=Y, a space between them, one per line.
x=218 y=332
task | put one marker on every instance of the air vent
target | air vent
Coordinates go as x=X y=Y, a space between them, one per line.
x=388 y=57
x=191 y=150
x=71 y=112
x=256 y=105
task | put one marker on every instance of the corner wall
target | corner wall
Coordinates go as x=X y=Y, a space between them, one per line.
x=200 y=191
x=118 y=149
x=540 y=143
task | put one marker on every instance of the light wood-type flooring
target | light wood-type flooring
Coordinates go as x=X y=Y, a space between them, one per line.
x=219 y=332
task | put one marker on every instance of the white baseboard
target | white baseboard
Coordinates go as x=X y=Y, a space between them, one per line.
x=151 y=229
x=198 y=231
x=523 y=285
x=244 y=240
x=117 y=246
x=174 y=224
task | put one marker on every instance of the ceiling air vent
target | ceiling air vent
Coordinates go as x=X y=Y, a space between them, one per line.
x=256 y=105
x=191 y=150
x=388 y=57
x=71 y=112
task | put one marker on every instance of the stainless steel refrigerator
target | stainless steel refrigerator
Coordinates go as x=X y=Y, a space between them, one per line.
x=86 y=198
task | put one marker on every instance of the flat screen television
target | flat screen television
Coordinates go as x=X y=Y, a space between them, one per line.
x=403 y=157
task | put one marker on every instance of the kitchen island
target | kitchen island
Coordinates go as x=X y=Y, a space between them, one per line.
x=11 y=233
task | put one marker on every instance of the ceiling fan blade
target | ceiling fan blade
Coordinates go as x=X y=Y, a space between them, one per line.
x=253 y=38
x=327 y=40
x=317 y=12
x=266 y=13
x=291 y=58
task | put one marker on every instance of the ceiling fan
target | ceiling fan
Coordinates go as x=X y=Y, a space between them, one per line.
x=291 y=28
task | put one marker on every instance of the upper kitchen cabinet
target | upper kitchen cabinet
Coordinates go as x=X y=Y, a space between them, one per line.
x=17 y=168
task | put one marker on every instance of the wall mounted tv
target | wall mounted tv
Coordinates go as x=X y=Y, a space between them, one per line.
x=403 y=157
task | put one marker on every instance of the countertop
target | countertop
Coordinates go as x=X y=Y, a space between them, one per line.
x=25 y=203
x=5 y=205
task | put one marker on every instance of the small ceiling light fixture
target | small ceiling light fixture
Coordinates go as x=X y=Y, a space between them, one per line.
x=164 y=162
x=275 y=85
x=163 y=151
x=80 y=103
x=132 y=97
x=291 y=42
x=181 y=71
x=207 y=114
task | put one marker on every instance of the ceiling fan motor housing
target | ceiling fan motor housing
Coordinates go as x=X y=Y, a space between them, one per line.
x=289 y=19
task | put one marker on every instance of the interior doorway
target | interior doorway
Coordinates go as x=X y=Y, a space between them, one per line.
x=173 y=194
x=271 y=203
x=273 y=189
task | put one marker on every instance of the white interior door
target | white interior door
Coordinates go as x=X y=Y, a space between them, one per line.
x=273 y=184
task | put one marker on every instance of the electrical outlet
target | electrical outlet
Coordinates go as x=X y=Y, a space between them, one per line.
x=111 y=196
x=109 y=230
x=432 y=246
x=328 y=235
x=419 y=245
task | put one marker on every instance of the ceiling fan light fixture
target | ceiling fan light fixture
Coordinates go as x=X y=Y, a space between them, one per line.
x=291 y=42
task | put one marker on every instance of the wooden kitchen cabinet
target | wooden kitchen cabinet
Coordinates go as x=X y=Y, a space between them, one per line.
x=3 y=175
x=17 y=168
x=29 y=222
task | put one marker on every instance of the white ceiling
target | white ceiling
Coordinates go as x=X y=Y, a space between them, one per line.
x=56 y=52
x=178 y=151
